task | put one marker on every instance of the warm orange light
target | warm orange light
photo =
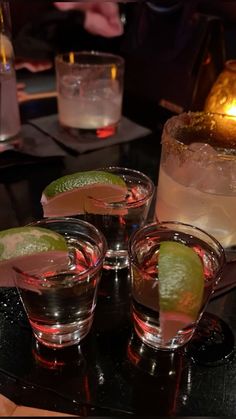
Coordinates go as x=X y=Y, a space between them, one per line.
x=222 y=97
x=230 y=110
x=3 y=57
x=113 y=72
x=71 y=57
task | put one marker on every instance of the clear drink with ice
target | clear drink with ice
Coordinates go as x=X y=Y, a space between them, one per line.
x=90 y=91
x=197 y=177
x=89 y=107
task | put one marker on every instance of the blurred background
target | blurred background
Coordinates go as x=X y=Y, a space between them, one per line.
x=174 y=49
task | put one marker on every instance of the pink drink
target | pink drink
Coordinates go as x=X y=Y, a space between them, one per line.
x=123 y=218
x=60 y=301
x=143 y=250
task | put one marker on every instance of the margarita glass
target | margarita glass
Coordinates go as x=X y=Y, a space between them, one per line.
x=197 y=177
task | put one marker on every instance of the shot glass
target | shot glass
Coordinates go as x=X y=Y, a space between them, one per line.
x=59 y=297
x=123 y=218
x=143 y=251
x=90 y=92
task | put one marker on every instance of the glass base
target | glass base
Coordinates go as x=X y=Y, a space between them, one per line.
x=10 y=141
x=150 y=333
x=116 y=259
x=60 y=336
x=155 y=363
x=92 y=134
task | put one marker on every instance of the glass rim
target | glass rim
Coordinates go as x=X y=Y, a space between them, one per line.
x=150 y=192
x=71 y=220
x=116 y=59
x=176 y=122
x=158 y=226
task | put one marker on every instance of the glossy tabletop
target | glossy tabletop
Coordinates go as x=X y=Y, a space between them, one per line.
x=111 y=373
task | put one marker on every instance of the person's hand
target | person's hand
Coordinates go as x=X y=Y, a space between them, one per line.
x=101 y=18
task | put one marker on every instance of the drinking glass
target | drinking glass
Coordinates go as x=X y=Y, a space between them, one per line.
x=197 y=176
x=59 y=296
x=144 y=247
x=122 y=218
x=9 y=108
x=90 y=92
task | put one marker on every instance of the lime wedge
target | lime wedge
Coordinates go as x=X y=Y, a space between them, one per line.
x=83 y=192
x=26 y=247
x=181 y=286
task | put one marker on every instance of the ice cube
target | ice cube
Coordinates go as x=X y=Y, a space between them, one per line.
x=203 y=151
x=215 y=180
x=197 y=160
x=70 y=86
x=103 y=89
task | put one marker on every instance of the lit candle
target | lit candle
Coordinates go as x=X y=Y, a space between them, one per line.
x=222 y=97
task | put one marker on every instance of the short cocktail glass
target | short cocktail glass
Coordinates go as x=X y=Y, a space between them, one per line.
x=59 y=295
x=90 y=92
x=121 y=219
x=197 y=176
x=144 y=248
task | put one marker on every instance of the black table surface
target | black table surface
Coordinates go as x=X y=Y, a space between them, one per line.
x=111 y=373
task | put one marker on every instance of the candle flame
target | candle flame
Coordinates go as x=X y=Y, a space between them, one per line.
x=230 y=109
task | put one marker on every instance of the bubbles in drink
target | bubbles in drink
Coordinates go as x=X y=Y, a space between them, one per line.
x=69 y=86
x=89 y=104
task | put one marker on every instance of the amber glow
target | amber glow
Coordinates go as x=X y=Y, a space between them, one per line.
x=71 y=57
x=113 y=72
x=230 y=109
x=222 y=97
x=2 y=46
x=3 y=54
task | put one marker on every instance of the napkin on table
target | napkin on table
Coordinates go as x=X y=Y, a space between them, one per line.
x=38 y=144
x=126 y=131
